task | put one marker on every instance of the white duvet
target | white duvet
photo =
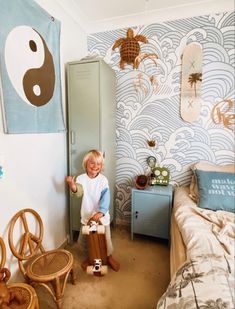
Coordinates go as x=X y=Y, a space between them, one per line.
x=207 y=279
x=203 y=231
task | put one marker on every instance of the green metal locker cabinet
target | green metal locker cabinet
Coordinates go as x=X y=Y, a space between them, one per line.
x=91 y=123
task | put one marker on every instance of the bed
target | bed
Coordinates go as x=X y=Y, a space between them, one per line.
x=203 y=242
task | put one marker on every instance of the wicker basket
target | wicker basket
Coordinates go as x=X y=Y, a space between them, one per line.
x=130 y=50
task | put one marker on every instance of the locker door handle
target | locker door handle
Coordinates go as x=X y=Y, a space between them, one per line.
x=72 y=137
x=136 y=214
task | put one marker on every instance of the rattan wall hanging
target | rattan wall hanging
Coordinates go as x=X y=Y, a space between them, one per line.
x=130 y=48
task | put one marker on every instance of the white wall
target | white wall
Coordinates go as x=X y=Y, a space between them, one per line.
x=35 y=164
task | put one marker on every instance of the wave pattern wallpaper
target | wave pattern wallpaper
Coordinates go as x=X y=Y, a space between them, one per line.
x=148 y=100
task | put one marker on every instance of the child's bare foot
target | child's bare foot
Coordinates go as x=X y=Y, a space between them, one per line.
x=84 y=264
x=113 y=263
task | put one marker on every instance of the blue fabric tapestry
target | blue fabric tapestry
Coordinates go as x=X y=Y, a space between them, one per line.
x=30 y=68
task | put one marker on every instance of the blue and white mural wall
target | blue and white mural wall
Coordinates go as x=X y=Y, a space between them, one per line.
x=148 y=100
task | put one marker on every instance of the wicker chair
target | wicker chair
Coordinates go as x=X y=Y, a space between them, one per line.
x=49 y=269
x=25 y=291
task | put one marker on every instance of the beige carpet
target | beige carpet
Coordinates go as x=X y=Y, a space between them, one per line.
x=142 y=279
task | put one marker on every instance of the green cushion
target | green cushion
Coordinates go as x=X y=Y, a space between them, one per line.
x=216 y=190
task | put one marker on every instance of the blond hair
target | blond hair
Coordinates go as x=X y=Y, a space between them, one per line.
x=96 y=155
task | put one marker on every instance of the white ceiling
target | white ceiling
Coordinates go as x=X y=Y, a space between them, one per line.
x=108 y=9
x=102 y=15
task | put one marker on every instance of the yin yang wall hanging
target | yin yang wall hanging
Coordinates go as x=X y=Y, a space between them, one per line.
x=30 y=69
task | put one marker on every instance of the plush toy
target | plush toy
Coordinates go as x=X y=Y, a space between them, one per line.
x=6 y=296
x=130 y=48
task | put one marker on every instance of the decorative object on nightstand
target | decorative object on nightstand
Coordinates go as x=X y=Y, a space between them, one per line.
x=141 y=182
x=162 y=175
x=151 y=211
x=151 y=161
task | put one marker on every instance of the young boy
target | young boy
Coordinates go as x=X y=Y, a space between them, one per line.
x=94 y=189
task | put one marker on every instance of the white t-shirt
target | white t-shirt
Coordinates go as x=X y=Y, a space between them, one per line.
x=93 y=190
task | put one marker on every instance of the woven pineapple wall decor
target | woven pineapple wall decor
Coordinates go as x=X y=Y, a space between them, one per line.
x=130 y=48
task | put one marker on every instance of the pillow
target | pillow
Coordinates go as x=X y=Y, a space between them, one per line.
x=205 y=166
x=216 y=190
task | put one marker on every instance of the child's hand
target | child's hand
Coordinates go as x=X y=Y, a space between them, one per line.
x=70 y=181
x=97 y=216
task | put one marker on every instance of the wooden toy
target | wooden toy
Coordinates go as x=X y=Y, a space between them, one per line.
x=97 y=249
